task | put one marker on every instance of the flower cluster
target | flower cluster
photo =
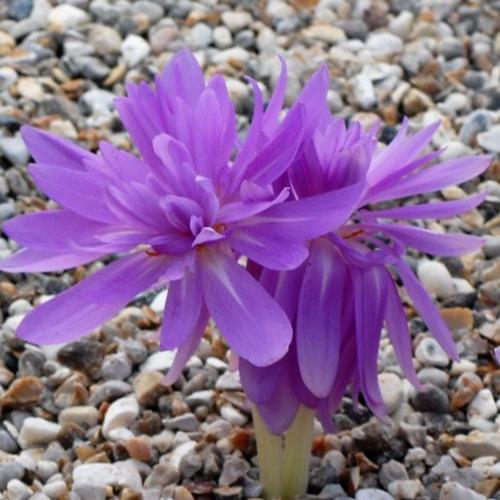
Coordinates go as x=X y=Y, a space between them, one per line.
x=294 y=197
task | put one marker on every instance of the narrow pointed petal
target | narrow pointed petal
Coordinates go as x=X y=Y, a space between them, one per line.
x=55 y=230
x=440 y=210
x=319 y=317
x=54 y=150
x=182 y=310
x=60 y=185
x=370 y=304
x=270 y=250
x=251 y=322
x=89 y=303
x=451 y=244
x=29 y=260
x=188 y=348
x=426 y=308
x=310 y=217
x=436 y=177
x=399 y=333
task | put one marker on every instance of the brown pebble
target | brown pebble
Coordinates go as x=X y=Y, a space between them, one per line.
x=182 y=493
x=468 y=385
x=72 y=392
x=148 y=387
x=130 y=494
x=24 y=392
x=139 y=449
x=458 y=318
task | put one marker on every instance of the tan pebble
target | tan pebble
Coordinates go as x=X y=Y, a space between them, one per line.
x=22 y=393
x=148 y=387
x=139 y=449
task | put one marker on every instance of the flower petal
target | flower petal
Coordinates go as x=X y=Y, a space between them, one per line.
x=440 y=210
x=399 y=333
x=426 y=309
x=54 y=150
x=452 y=244
x=319 y=317
x=29 y=260
x=252 y=323
x=89 y=303
x=182 y=310
x=370 y=292
x=309 y=217
x=188 y=348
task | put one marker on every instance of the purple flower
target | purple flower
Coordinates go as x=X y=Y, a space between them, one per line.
x=197 y=199
x=340 y=298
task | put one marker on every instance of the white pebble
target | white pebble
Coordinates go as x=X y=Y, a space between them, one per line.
x=436 y=278
x=121 y=413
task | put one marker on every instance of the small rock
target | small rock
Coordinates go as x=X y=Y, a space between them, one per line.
x=148 y=387
x=467 y=386
x=102 y=474
x=105 y=40
x=139 y=449
x=363 y=91
x=478 y=444
x=222 y=37
x=14 y=149
x=116 y=367
x=236 y=20
x=325 y=33
x=490 y=140
x=186 y=423
x=391 y=388
x=436 y=278
x=66 y=16
x=407 y=489
x=392 y=471
x=431 y=399
x=372 y=494
x=24 y=392
x=81 y=415
x=384 y=44
x=159 y=361
x=121 y=413
x=455 y=491
x=483 y=405
x=229 y=381
x=38 y=431
x=430 y=353
x=190 y=464
x=233 y=416
x=200 y=36
x=134 y=50
x=162 y=475
x=17 y=490
x=233 y=469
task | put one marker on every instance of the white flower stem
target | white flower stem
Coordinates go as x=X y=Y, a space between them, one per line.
x=284 y=460
x=297 y=455
x=270 y=453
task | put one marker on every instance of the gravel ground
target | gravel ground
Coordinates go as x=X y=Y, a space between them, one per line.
x=90 y=420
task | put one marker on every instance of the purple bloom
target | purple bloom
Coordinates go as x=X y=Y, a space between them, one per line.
x=197 y=199
x=340 y=298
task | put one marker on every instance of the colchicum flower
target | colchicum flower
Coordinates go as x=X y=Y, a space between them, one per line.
x=343 y=294
x=183 y=213
x=296 y=197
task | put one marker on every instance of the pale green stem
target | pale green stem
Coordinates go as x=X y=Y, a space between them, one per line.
x=297 y=455
x=270 y=453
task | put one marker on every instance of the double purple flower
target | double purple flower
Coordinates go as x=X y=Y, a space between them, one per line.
x=343 y=294
x=305 y=317
x=197 y=200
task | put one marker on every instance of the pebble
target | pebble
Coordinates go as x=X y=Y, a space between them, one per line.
x=105 y=40
x=24 y=392
x=455 y=491
x=200 y=36
x=102 y=474
x=236 y=20
x=37 y=431
x=148 y=387
x=14 y=149
x=483 y=405
x=372 y=494
x=407 y=488
x=66 y=16
x=222 y=37
x=430 y=353
x=233 y=470
x=478 y=444
x=435 y=278
x=159 y=361
x=81 y=415
x=116 y=367
x=134 y=49
x=121 y=413
x=17 y=490
x=391 y=388
x=392 y=471
x=363 y=91
x=384 y=45
x=186 y=423
x=490 y=140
